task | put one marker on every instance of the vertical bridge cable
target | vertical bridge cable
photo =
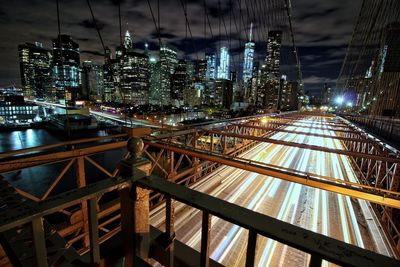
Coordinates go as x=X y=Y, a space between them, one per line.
x=95 y=25
x=295 y=52
x=188 y=27
x=119 y=20
x=159 y=41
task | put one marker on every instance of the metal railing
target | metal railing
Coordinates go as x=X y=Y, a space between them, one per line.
x=317 y=245
x=386 y=128
x=320 y=247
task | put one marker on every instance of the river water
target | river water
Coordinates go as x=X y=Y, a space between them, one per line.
x=36 y=180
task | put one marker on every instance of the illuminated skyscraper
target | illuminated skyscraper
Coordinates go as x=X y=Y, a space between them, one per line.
x=211 y=66
x=168 y=62
x=200 y=69
x=268 y=95
x=248 y=58
x=35 y=67
x=128 y=43
x=273 y=58
x=223 y=67
x=66 y=68
x=135 y=78
x=155 y=85
x=289 y=97
x=108 y=79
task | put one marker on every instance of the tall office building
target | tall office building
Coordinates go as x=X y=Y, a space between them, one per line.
x=155 y=84
x=108 y=79
x=268 y=95
x=200 y=70
x=211 y=76
x=326 y=94
x=273 y=58
x=135 y=78
x=168 y=62
x=211 y=72
x=66 y=70
x=193 y=94
x=223 y=93
x=223 y=67
x=179 y=82
x=35 y=68
x=116 y=74
x=289 y=98
x=92 y=81
x=251 y=93
x=248 y=59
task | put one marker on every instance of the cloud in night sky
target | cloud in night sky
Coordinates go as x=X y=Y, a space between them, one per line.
x=322 y=30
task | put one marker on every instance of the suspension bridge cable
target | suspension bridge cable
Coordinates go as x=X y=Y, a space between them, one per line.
x=289 y=15
x=96 y=26
x=188 y=26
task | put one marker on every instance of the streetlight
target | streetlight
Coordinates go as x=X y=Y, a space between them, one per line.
x=339 y=100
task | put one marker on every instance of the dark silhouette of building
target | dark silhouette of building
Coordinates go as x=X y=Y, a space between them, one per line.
x=326 y=95
x=92 y=81
x=66 y=68
x=224 y=93
x=179 y=83
x=269 y=89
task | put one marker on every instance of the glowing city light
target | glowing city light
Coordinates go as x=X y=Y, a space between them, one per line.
x=339 y=100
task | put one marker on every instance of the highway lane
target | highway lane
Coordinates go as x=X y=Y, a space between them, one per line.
x=328 y=213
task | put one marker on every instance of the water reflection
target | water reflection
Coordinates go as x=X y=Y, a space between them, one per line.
x=36 y=180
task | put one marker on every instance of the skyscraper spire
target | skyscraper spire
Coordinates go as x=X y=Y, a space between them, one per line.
x=128 y=40
x=251 y=31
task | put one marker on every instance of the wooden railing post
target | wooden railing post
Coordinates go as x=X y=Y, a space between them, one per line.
x=205 y=239
x=135 y=205
x=315 y=261
x=127 y=226
x=251 y=248
x=93 y=232
x=81 y=182
x=40 y=242
x=169 y=229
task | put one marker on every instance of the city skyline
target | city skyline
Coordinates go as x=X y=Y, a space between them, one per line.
x=322 y=68
x=200 y=133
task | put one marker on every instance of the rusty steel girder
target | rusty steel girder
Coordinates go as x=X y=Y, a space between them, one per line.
x=391 y=199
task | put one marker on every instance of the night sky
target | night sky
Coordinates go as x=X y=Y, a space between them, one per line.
x=322 y=30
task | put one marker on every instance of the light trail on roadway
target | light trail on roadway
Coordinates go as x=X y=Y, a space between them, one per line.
x=334 y=215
